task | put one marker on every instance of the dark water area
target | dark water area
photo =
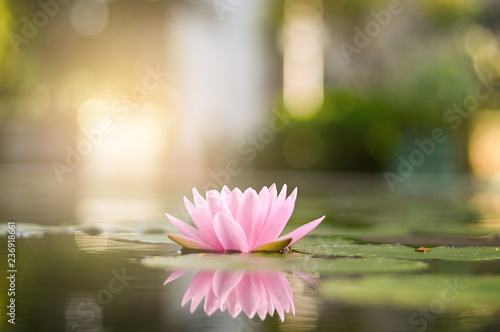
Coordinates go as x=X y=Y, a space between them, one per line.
x=99 y=261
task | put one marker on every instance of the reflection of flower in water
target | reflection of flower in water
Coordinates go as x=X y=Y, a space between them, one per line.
x=247 y=221
x=253 y=292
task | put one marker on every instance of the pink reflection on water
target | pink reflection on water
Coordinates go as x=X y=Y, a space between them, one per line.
x=253 y=292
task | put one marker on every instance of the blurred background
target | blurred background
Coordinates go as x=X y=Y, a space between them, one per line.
x=384 y=113
x=136 y=96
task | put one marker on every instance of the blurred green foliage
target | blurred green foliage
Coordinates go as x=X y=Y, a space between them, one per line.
x=397 y=92
x=16 y=68
x=365 y=129
x=393 y=96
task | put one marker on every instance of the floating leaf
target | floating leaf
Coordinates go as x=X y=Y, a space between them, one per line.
x=287 y=262
x=365 y=265
x=403 y=252
x=218 y=261
x=383 y=226
x=431 y=291
x=32 y=230
x=156 y=238
x=316 y=240
x=146 y=244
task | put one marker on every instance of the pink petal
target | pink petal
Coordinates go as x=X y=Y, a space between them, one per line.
x=282 y=195
x=230 y=233
x=236 y=198
x=278 y=217
x=211 y=302
x=281 y=312
x=264 y=201
x=267 y=197
x=233 y=305
x=264 y=297
x=288 y=291
x=189 y=243
x=274 y=285
x=202 y=220
x=272 y=192
x=269 y=300
x=216 y=203
x=186 y=229
x=198 y=199
x=249 y=216
x=225 y=281
x=197 y=289
x=277 y=201
x=175 y=275
x=302 y=231
x=226 y=195
x=247 y=295
x=277 y=288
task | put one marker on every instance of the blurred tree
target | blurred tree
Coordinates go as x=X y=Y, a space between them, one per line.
x=394 y=92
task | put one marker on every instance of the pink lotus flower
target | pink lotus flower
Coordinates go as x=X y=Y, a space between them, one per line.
x=236 y=221
x=253 y=292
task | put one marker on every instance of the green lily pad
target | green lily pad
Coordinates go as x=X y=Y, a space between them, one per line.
x=316 y=240
x=434 y=292
x=385 y=228
x=217 y=261
x=287 y=262
x=364 y=265
x=403 y=252
x=156 y=238
x=147 y=244
x=433 y=240
x=32 y=230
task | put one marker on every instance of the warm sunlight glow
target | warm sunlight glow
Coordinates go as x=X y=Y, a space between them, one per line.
x=90 y=113
x=303 y=57
x=133 y=145
x=484 y=145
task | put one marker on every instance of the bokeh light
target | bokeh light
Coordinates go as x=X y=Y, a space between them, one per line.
x=133 y=146
x=384 y=114
x=91 y=112
x=303 y=57
x=484 y=146
x=89 y=17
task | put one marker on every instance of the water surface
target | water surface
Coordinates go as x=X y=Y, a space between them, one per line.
x=96 y=259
